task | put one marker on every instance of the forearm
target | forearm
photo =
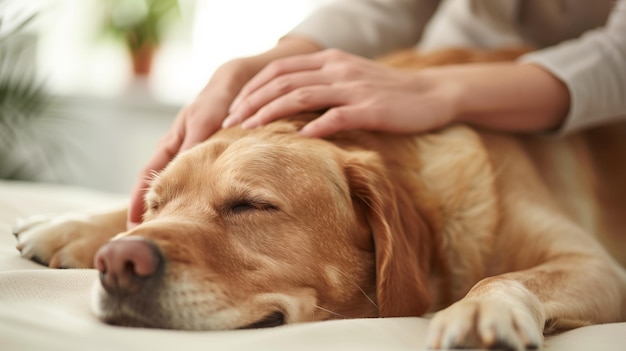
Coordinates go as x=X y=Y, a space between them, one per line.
x=593 y=67
x=509 y=97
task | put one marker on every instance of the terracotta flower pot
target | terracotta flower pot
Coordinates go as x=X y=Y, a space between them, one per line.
x=142 y=60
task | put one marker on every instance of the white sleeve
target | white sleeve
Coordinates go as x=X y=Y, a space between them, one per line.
x=368 y=28
x=593 y=67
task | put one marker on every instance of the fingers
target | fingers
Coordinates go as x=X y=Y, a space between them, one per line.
x=199 y=127
x=278 y=68
x=274 y=89
x=276 y=79
x=391 y=111
x=310 y=98
x=290 y=85
x=335 y=120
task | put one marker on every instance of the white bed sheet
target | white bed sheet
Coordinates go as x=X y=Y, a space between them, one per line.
x=46 y=309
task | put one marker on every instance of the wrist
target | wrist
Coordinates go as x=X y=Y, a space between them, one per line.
x=510 y=97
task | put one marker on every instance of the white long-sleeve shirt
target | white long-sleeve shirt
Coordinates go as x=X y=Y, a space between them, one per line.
x=581 y=42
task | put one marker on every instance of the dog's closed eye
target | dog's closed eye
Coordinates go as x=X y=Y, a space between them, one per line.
x=245 y=206
x=153 y=203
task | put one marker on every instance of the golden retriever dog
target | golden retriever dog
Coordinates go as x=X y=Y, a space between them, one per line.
x=504 y=238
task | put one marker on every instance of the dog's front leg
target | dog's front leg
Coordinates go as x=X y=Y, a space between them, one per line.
x=68 y=240
x=513 y=310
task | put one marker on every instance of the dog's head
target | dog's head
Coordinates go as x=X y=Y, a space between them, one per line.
x=265 y=227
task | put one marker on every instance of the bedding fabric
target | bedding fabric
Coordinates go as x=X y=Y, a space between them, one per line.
x=47 y=309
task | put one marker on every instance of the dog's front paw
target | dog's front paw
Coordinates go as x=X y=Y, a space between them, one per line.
x=65 y=241
x=484 y=324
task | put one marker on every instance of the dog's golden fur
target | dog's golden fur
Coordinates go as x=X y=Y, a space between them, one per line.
x=502 y=234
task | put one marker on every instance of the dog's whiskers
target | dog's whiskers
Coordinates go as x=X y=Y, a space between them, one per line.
x=366 y=296
x=361 y=290
x=333 y=313
x=153 y=174
x=153 y=177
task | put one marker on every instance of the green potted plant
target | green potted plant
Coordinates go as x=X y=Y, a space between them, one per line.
x=140 y=24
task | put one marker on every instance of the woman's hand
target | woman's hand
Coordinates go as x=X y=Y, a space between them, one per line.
x=355 y=92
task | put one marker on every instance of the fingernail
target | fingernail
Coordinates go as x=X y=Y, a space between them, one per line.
x=249 y=124
x=305 y=131
x=227 y=122
x=234 y=104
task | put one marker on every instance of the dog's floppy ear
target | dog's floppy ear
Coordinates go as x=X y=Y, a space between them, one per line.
x=400 y=237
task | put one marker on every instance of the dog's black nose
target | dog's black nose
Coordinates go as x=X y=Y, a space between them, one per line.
x=126 y=264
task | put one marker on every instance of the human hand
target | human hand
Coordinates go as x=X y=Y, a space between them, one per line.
x=362 y=94
x=358 y=94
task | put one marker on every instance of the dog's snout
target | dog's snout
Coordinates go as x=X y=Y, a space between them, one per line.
x=127 y=264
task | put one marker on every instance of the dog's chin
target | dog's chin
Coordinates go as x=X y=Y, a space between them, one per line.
x=126 y=320
x=143 y=311
x=128 y=311
x=151 y=307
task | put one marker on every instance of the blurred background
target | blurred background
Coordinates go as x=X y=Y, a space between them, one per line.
x=87 y=87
